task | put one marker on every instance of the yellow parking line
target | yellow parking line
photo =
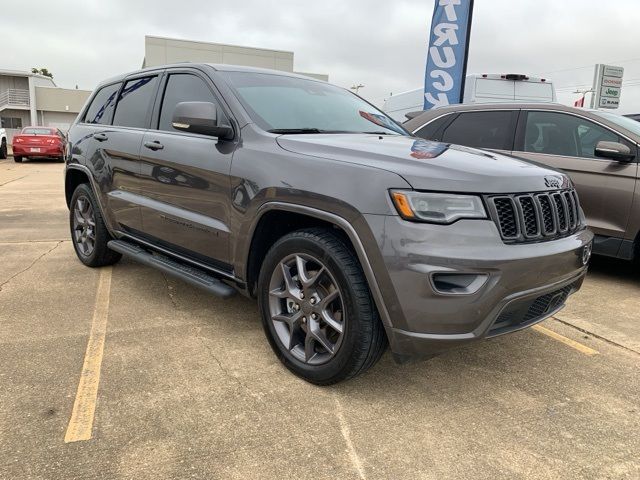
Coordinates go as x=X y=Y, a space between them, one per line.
x=567 y=341
x=81 y=422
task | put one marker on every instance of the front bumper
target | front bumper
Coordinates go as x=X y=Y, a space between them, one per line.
x=516 y=285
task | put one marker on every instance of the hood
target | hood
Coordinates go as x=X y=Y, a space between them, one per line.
x=429 y=165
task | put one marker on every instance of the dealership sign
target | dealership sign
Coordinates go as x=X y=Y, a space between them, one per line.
x=607 y=85
x=448 y=49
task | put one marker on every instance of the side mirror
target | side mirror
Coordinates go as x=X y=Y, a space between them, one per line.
x=614 y=151
x=199 y=117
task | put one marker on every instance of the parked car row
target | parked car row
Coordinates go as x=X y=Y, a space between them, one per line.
x=597 y=149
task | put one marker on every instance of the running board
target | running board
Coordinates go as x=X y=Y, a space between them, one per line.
x=189 y=274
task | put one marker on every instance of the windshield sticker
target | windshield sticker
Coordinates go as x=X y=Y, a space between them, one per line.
x=382 y=121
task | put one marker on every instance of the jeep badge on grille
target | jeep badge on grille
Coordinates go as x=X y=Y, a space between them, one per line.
x=553 y=182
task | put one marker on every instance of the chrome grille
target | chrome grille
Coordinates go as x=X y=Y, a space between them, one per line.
x=535 y=216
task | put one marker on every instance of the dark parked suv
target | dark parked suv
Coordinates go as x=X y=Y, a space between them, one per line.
x=350 y=232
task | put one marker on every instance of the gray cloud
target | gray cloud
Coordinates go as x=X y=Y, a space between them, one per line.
x=380 y=44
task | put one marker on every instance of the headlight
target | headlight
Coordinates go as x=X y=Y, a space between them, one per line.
x=437 y=207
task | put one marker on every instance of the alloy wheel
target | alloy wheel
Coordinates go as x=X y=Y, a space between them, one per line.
x=306 y=308
x=84 y=226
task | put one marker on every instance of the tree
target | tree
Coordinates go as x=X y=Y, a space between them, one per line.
x=42 y=71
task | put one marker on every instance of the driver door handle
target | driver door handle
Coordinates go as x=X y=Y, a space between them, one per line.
x=155 y=145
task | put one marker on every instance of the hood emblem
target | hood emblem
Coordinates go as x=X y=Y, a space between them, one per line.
x=553 y=182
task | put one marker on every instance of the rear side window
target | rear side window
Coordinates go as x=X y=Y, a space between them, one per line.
x=493 y=130
x=101 y=109
x=183 y=87
x=432 y=131
x=135 y=102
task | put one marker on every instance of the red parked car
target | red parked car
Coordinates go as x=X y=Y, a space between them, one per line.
x=39 y=142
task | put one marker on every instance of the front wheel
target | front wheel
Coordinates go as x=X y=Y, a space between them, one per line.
x=317 y=309
x=88 y=231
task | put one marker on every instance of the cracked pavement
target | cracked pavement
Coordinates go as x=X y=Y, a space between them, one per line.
x=189 y=387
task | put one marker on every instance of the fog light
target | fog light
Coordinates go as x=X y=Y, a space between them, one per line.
x=586 y=254
x=458 y=283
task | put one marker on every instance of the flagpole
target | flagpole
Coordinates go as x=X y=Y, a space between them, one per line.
x=466 y=53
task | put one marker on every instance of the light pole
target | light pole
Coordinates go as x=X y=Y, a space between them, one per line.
x=356 y=88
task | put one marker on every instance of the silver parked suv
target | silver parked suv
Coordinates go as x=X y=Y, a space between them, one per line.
x=350 y=232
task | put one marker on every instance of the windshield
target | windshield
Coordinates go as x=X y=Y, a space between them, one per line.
x=37 y=131
x=627 y=123
x=282 y=104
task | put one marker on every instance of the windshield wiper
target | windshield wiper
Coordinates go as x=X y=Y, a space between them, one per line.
x=294 y=131
x=383 y=133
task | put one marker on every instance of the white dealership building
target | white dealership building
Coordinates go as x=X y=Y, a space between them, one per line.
x=162 y=50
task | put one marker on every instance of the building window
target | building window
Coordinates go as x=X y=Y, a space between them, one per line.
x=11 y=122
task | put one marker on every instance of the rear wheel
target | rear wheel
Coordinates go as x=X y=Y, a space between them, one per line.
x=88 y=232
x=17 y=159
x=316 y=308
x=3 y=149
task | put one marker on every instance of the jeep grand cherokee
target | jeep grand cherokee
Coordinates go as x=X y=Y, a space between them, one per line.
x=351 y=233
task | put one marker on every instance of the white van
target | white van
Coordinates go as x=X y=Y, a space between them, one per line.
x=479 y=88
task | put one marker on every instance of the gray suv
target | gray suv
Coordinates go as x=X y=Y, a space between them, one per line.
x=351 y=233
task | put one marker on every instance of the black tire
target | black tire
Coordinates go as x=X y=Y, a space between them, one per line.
x=363 y=341
x=100 y=255
x=3 y=149
x=17 y=159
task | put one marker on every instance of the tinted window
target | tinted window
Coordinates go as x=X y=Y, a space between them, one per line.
x=183 y=88
x=560 y=134
x=431 y=131
x=101 y=108
x=10 y=122
x=134 y=103
x=481 y=130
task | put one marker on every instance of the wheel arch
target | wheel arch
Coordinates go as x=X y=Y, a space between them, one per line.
x=73 y=177
x=276 y=219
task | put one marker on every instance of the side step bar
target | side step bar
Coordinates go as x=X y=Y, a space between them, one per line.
x=189 y=274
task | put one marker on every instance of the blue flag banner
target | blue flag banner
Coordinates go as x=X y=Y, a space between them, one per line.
x=447 y=57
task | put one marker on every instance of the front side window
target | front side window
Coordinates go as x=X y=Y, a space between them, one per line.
x=491 y=130
x=183 y=88
x=283 y=104
x=134 y=102
x=555 y=133
x=101 y=109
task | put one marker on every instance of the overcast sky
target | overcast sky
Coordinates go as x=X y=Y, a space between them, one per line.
x=381 y=44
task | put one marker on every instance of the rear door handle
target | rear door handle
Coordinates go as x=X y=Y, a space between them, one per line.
x=101 y=137
x=155 y=145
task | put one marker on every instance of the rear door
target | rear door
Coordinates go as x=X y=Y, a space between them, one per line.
x=185 y=176
x=117 y=147
x=567 y=142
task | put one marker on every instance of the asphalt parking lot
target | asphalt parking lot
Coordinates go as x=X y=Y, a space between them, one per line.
x=186 y=385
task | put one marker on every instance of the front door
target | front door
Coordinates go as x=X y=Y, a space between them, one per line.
x=185 y=178
x=605 y=187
